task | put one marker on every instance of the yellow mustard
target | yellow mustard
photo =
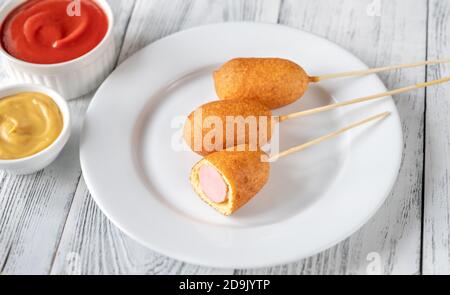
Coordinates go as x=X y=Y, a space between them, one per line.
x=29 y=123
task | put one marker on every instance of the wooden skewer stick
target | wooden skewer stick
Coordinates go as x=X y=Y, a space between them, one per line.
x=361 y=99
x=328 y=136
x=376 y=70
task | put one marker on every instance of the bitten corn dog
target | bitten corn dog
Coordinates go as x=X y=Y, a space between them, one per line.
x=277 y=82
x=229 y=179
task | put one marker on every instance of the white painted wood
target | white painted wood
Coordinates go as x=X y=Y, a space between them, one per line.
x=436 y=235
x=34 y=208
x=154 y=19
x=90 y=243
x=378 y=37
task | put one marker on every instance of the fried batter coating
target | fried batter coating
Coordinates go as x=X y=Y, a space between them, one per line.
x=274 y=82
x=244 y=173
x=221 y=124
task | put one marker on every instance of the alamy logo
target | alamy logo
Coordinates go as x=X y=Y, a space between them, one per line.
x=206 y=134
x=374 y=8
x=374 y=266
x=73 y=263
x=74 y=8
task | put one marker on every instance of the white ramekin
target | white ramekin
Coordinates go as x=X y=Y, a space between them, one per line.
x=42 y=159
x=73 y=78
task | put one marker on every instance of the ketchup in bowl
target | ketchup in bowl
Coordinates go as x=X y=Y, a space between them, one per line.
x=45 y=32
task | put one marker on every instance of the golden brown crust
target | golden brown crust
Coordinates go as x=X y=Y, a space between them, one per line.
x=244 y=172
x=275 y=82
x=256 y=136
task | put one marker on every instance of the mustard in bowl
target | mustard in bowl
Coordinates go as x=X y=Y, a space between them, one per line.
x=34 y=127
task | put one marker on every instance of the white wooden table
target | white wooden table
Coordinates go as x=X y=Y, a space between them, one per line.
x=49 y=223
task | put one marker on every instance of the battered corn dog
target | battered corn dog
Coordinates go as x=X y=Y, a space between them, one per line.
x=274 y=82
x=277 y=82
x=227 y=180
x=256 y=123
x=248 y=122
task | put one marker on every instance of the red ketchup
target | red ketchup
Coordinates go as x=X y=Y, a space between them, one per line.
x=53 y=31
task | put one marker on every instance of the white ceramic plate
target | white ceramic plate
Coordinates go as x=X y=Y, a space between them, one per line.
x=313 y=199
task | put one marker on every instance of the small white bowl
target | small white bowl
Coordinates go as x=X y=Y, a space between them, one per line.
x=42 y=159
x=73 y=78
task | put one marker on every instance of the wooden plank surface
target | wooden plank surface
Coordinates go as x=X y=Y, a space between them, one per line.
x=436 y=235
x=379 y=36
x=49 y=222
x=90 y=243
x=34 y=208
